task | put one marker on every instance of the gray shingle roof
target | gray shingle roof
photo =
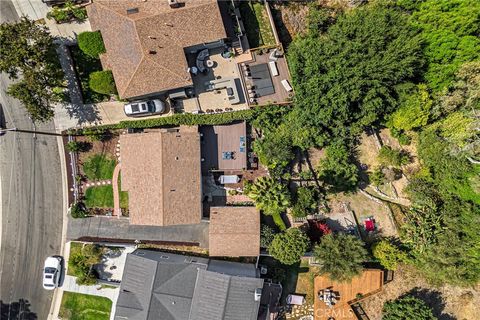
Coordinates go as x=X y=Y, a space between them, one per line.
x=159 y=285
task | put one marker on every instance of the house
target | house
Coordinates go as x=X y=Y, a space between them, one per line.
x=146 y=41
x=161 y=171
x=369 y=282
x=234 y=232
x=160 y=285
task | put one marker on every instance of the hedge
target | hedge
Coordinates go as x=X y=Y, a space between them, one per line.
x=102 y=82
x=91 y=43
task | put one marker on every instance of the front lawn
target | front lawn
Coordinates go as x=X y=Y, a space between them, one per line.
x=77 y=306
x=102 y=197
x=99 y=167
x=84 y=66
x=257 y=25
x=75 y=250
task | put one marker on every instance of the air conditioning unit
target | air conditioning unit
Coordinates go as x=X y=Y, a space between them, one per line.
x=173 y=3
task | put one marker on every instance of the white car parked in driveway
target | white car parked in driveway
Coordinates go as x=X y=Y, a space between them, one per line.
x=51 y=272
x=144 y=108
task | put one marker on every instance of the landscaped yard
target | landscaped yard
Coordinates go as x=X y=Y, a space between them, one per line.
x=84 y=66
x=102 y=197
x=99 y=167
x=75 y=249
x=76 y=306
x=257 y=25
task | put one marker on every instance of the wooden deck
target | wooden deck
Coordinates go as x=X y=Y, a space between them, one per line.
x=368 y=283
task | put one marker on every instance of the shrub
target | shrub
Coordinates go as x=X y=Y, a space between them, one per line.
x=59 y=15
x=388 y=254
x=403 y=138
x=82 y=262
x=377 y=177
x=102 y=82
x=407 y=307
x=266 y=236
x=97 y=134
x=91 y=43
x=288 y=247
x=78 y=210
x=392 y=157
x=305 y=202
x=74 y=146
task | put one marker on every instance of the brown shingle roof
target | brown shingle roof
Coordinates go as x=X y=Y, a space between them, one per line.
x=129 y=38
x=234 y=232
x=161 y=172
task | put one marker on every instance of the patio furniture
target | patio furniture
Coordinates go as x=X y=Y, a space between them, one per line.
x=201 y=57
x=228 y=155
x=286 y=85
x=262 y=80
x=274 y=55
x=369 y=224
x=273 y=68
x=218 y=110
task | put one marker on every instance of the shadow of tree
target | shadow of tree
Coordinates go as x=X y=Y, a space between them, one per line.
x=17 y=310
x=434 y=300
x=84 y=113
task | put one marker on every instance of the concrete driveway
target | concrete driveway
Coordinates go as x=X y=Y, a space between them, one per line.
x=103 y=228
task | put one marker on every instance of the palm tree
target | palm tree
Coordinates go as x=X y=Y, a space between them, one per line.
x=270 y=196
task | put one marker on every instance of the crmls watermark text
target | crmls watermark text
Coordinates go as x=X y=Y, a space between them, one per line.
x=341 y=313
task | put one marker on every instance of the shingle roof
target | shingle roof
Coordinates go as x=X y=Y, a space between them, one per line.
x=129 y=38
x=159 y=285
x=234 y=231
x=161 y=172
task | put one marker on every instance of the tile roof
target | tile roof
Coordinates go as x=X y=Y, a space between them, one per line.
x=234 y=231
x=130 y=37
x=161 y=172
x=183 y=287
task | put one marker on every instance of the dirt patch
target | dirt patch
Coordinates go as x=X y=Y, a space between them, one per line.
x=363 y=208
x=290 y=20
x=448 y=302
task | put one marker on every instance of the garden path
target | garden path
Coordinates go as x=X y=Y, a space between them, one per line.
x=116 y=192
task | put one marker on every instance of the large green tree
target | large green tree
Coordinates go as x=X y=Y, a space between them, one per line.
x=340 y=256
x=345 y=79
x=450 y=30
x=28 y=55
x=289 y=246
x=407 y=307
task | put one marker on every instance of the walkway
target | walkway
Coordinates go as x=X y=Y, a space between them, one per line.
x=116 y=191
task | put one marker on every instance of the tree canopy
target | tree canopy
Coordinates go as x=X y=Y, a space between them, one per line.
x=345 y=79
x=28 y=55
x=340 y=256
x=289 y=246
x=407 y=307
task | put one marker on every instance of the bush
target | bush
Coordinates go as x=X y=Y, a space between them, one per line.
x=266 y=236
x=73 y=146
x=78 y=210
x=392 y=157
x=82 y=261
x=91 y=43
x=97 y=134
x=403 y=138
x=377 y=177
x=305 y=202
x=288 y=247
x=407 y=307
x=102 y=82
x=388 y=254
x=59 y=15
x=340 y=256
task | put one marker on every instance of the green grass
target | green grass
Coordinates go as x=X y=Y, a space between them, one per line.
x=75 y=249
x=102 y=197
x=84 y=65
x=76 y=306
x=257 y=25
x=99 y=167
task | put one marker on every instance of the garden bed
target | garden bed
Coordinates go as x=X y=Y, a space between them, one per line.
x=84 y=66
x=257 y=25
x=77 y=306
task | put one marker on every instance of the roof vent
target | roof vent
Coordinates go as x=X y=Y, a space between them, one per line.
x=132 y=10
x=152 y=37
x=173 y=3
x=152 y=51
x=258 y=294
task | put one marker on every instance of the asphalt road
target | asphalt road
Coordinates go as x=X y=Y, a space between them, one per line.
x=31 y=207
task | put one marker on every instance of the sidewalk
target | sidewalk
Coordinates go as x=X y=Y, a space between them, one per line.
x=34 y=9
